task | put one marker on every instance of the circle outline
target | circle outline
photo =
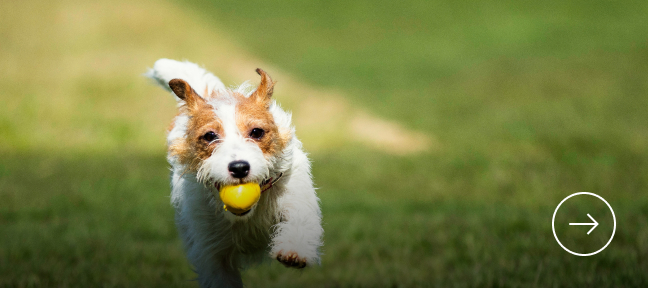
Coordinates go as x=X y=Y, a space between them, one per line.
x=553 y=228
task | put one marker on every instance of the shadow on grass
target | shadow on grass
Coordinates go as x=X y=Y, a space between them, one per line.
x=105 y=220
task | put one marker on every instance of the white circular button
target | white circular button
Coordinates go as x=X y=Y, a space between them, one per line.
x=594 y=223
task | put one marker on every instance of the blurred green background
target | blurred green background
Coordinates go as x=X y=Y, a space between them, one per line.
x=522 y=102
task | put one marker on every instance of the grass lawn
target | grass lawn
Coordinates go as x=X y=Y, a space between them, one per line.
x=528 y=102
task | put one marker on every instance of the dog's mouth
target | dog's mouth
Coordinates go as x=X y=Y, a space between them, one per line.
x=239 y=199
x=240 y=214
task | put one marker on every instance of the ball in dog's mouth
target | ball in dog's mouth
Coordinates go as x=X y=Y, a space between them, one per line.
x=239 y=199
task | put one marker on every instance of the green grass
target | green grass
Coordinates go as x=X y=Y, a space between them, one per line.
x=104 y=220
x=530 y=102
x=87 y=220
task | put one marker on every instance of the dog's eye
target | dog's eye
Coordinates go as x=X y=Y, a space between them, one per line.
x=210 y=136
x=257 y=133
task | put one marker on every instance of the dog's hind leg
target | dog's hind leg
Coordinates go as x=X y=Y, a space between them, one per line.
x=214 y=269
x=220 y=273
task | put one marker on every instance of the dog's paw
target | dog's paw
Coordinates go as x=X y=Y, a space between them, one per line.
x=291 y=259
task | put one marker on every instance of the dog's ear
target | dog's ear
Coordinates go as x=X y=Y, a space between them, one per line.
x=183 y=90
x=263 y=93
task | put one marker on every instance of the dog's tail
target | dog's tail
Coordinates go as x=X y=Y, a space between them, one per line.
x=200 y=80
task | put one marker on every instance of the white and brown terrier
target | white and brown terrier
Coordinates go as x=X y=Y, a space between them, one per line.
x=227 y=136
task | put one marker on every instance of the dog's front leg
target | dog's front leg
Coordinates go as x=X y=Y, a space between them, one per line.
x=298 y=236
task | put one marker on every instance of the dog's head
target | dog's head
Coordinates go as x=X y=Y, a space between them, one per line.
x=231 y=138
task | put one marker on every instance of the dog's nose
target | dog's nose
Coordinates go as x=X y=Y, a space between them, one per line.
x=239 y=169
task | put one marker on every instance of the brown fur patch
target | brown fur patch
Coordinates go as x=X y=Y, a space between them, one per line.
x=193 y=149
x=265 y=90
x=250 y=114
x=253 y=113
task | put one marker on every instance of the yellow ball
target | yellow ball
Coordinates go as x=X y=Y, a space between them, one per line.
x=239 y=199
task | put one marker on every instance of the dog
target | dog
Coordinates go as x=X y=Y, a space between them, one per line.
x=233 y=136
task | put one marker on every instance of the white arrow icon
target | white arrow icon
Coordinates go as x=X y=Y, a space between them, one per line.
x=594 y=225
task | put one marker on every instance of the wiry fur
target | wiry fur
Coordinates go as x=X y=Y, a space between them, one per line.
x=286 y=222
